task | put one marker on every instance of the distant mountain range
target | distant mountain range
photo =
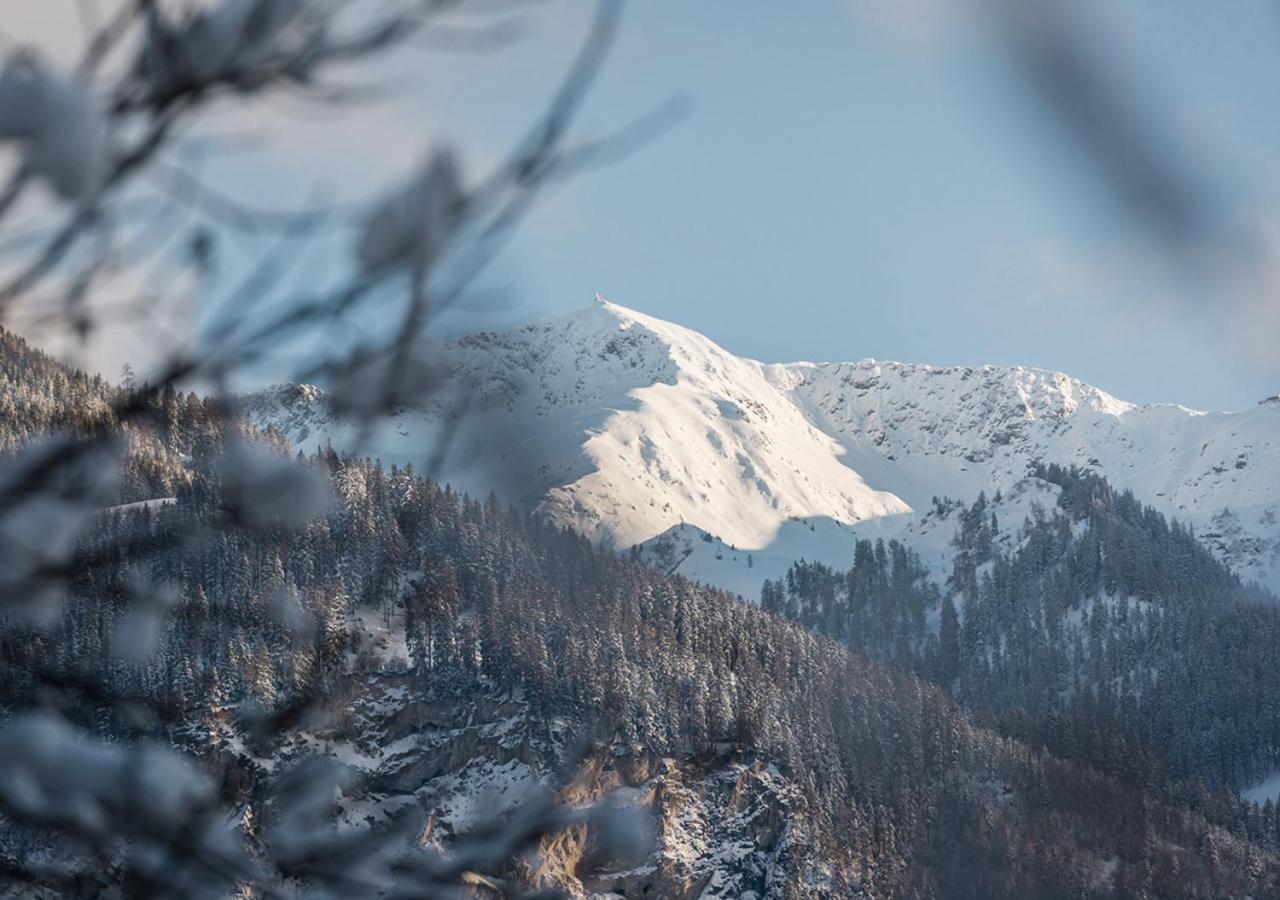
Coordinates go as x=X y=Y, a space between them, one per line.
x=634 y=430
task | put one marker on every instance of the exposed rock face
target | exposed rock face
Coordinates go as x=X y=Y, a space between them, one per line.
x=724 y=826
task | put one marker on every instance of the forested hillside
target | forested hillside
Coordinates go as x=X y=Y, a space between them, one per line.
x=40 y=397
x=1106 y=633
x=458 y=647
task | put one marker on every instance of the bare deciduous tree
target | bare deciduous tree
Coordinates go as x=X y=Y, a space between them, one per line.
x=101 y=139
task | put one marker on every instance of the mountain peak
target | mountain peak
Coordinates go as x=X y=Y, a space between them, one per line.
x=603 y=308
x=601 y=314
x=1028 y=385
x=602 y=304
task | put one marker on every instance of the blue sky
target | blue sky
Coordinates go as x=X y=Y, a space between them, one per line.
x=850 y=184
x=857 y=178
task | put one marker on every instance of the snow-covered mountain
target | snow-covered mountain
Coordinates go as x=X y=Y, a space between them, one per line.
x=635 y=430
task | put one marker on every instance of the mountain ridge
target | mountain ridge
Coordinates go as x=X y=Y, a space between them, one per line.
x=624 y=427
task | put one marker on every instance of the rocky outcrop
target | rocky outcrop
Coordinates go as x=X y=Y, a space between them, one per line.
x=719 y=826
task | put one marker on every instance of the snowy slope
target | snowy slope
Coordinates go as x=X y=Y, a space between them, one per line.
x=627 y=427
x=702 y=556
x=921 y=431
x=620 y=425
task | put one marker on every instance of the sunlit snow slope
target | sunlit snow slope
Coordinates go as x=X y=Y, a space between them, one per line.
x=627 y=427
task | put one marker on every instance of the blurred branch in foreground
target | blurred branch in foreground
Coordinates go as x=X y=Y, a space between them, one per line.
x=100 y=138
